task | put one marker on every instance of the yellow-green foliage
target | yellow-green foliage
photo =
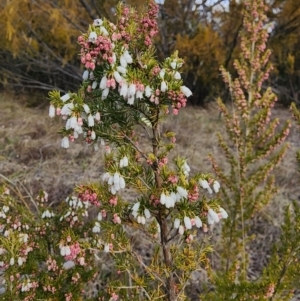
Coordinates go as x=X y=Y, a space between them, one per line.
x=35 y=35
x=30 y=26
x=204 y=52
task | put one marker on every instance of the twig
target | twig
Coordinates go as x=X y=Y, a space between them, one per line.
x=136 y=147
x=15 y=189
x=130 y=277
x=30 y=197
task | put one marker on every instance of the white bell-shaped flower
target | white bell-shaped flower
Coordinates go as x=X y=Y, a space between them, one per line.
x=123 y=61
x=51 y=111
x=124 y=162
x=113 y=190
x=103 y=83
x=162 y=73
x=163 y=199
x=169 y=201
x=114 y=57
x=223 y=213
x=99 y=216
x=12 y=261
x=118 y=77
x=97 y=22
x=198 y=222
x=92 y=37
x=124 y=90
x=85 y=75
x=105 y=93
x=132 y=90
x=187 y=222
x=163 y=86
x=91 y=121
x=73 y=122
x=104 y=31
x=181 y=230
x=96 y=228
x=186 y=169
x=148 y=91
x=216 y=186
x=86 y=108
x=177 y=75
x=110 y=180
x=65 y=142
x=66 y=97
x=122 y=69
x=212 y=216
x=173 y=64
x=204 y=184
x=67 y=109
x=176 y=223
x=122 y=183
x=139 y=94
x=182 y=191
x=94 y=85
x=130 y=99
x=186 y=91
x=97 y=116
x=147 y=213
x=116 y=177
x=68 y=264
x=136 y=206
x=127 y=57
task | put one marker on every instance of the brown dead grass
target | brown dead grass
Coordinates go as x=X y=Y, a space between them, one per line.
x=31 y=157
x=30 y=149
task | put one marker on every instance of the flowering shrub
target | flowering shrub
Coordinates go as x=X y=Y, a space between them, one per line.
x=45 y=255
x=52 y=254
x=254 y=146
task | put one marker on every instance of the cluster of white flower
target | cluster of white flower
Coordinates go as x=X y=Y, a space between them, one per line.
x=174 y=65
x=74 y=122
x=186 y=169
x=124 y=162
x=204 y=184
x=115 y=181
x=23 y=237
x=140 y=215
x=188 y=224
x=68 y=264
x=213 y=217
x=21 y=260
x=27 y=286
x=3 y=211
x=47 y=214
x=96 y=228
x=99 y=22
x=64 y=250
x=128 y=89
x=169 y=199
x=75 y=205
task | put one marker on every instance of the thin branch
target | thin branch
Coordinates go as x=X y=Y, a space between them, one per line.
x=136 y=147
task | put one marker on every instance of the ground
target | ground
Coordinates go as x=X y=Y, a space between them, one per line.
x=31 y=158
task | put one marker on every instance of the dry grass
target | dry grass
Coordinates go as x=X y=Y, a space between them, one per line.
x=31 y=156
x=30 y=151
